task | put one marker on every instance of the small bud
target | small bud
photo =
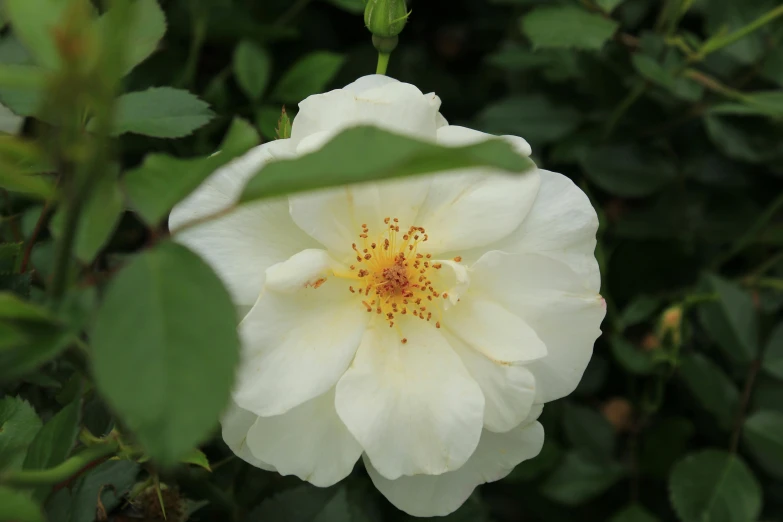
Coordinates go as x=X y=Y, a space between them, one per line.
x=283 y=129
x=385 y=18
x=670 y=325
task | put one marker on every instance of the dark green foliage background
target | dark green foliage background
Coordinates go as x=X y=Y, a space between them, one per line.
x=680 y=413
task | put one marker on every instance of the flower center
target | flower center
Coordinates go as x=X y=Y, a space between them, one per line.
x=394 y=279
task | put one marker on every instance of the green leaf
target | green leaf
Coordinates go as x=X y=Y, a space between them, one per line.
x=34 y=23
x=197 y=458
x=608 y=5
x=680 y=86
x=578 y=479
x=304 y=504
x=252 y=66
x=773 y=353
x=567 y=26
x=628 y=170
x=630 y=357
x=641 y=308
x=53 y=443
x=762 y=434
x=744 y=137
x=107 y=483
x=384 y=155
x=633 y=513
x=162 y=180
x=534 y=117
x=308 y=75
x=161 y=112
x=99 y=218
x=16 y=506
x=13 y=308
x=149 y=27
x=588 y=432
x=664 y=444
x=731 y=320
x=18 y=426
x=714 y=485
x=241 y=136
x=713 y=389
x=154 y=376
x=40 y=342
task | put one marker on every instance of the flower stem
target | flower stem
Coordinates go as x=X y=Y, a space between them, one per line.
x=64 y=471
x=383 y=63
x=715 y=44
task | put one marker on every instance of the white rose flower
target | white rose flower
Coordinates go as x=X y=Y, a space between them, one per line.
x=419 y=323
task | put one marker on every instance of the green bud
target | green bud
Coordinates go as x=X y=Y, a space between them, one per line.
x=385 y=18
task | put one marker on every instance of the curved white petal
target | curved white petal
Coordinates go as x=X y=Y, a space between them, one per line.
x=296 y=346
x=491 y=329
x=395 y=106
x=309 y=441
x=235 y=424
x=413 y=407
x=495 y=457
x=335 y=217
x=241 y=245
x=509 y=391
x=474 y=207
x=562 y=225
x=309 y=267
x=556 y=302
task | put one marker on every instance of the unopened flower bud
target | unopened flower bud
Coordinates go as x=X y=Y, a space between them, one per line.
x=385 y=18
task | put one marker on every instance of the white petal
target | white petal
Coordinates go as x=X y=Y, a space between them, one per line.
x=491 y=329
x=452 y=278
x=562 y=225
x=309 y=441
x=509 y=391
x=556 y=303
x=495 y=457
x=474 y=207
x=395 y=106
x=371 y=81
x=296 y=346
x=241 y=245
x=413 y=407
x=335 y=217
x=236 y=423
x=307 y=268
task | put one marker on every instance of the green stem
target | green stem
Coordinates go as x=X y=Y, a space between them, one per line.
x=196 y=43
x=383 y=63
x=64 y=471
x=626 y=104
x=715 y=44
x=752 y=232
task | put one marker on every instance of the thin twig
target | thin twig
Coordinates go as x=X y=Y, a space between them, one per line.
x=749 y=380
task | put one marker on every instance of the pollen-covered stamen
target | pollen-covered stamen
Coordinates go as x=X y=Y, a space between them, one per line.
x=390 y=268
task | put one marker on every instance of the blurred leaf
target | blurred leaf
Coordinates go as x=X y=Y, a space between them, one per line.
x=197 y=458
x=309 y=75
x=588 y=432
x=714 y=485
x=714 y=390
x=745 y=138
x=731 y=320
x=34 y=23
x=634 y=513
x=252 y=65
x=630 y=170
x=608 y=5
x=763 y=435
x=726 y=16
x=161 y=112
x=768 y=103
x=99 y=217
x=13 y=308
x=534 y=117
x=108 y=483
x=384 y=155
x=39 y=343
x=352 y=6
x=153 y=376
x=18 y=426
x=162 y=180
x=664 y=444
x=149 y=28
x=578 y=479
x=267 y=119
x=680 y=86
x=304 y=504
x=53 y=443
x=633 y=359
x=641 y=308
x=240 y=136
x=532 y=469
x=567 y=26
x=773 y=353
x=16 y=506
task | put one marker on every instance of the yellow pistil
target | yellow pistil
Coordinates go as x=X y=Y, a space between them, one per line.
x=394 y=279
